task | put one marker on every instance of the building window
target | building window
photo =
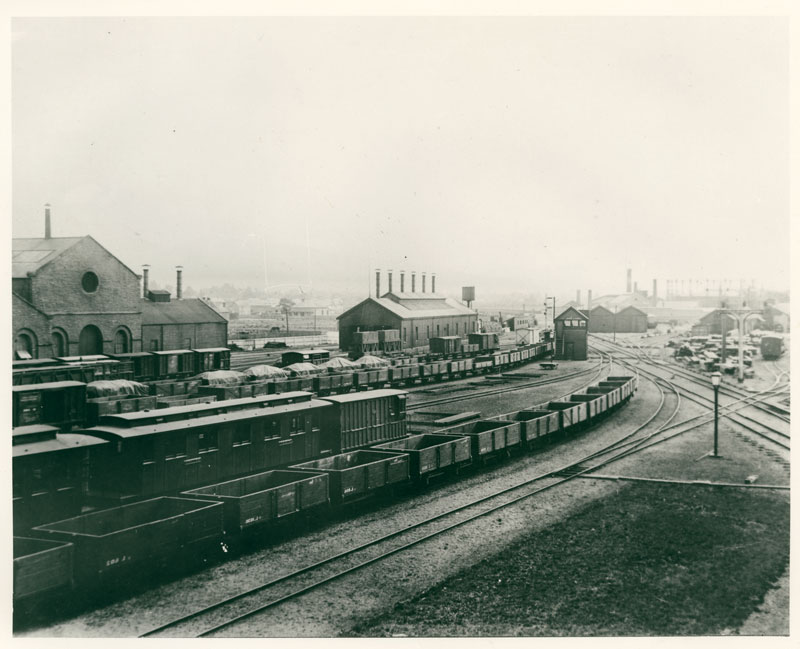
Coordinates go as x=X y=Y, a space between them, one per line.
x=25 y=345
x=437 y=330
x=122 y=344
x=405 y=334
x=416 y=333
x=60 y=347
x=89 y=282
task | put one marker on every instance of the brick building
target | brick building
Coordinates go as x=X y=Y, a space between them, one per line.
x=571 y=335
x=71 y=296
x=418 y=317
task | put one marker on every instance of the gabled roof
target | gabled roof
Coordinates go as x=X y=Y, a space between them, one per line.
x=29 y=255
x=632 y=308
x=599 y=307
x=571 y=313
x=187 y=311
x=417 y=305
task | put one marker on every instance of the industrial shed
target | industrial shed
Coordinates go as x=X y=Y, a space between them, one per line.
x=601 y=320
x=631 y=320
x=418 y=317
x=180 y=324
x=571 y=335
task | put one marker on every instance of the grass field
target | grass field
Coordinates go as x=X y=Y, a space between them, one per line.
x=652 y=560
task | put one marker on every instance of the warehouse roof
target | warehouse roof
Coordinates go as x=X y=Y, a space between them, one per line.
x=29 y=255
x=417 y=305
x=186 y=311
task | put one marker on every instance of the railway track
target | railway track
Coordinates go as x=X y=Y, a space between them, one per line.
x=754 y=426
x=225 y=614
x=521 y=385
x=222 y=615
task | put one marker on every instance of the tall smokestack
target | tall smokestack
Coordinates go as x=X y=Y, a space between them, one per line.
x=402 y=281
x=47 y=221
x=636 y=287
x=390 y=280
x=630 y=279
x=433 y=282
x=145 y=278
x=423 y=282
x=655 y=292
x=589 y=299
x=578 y=298
x=377 y=282
x=179 y=282
x=413 y=281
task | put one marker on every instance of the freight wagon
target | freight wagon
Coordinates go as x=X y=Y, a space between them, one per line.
x=147 y=535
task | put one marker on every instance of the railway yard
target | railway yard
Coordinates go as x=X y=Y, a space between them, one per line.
x=624 y=525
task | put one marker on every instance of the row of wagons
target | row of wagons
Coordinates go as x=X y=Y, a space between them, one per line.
x=109 y=543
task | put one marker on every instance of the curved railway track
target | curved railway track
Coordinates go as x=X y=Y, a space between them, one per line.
x=755 y=426
x=225 y=613
x=229 y=612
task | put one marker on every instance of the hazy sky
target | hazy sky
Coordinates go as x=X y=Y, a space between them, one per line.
x=531 y=154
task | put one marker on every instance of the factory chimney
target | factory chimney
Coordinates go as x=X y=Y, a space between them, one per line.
x=630 y=278
x=636 y=287
x=589 y=299
x=402 y=281
x=390 y=280
x=578 y=298
x=655 y=292
x=413 y=281
x=433 y=282
x=47 y=220
x=378 y=282
x=145 y=277
x=179 y=282
x=423 y=282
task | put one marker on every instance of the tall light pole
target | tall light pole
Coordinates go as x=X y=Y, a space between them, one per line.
x=550 y=297
x=740 y=315
x=716 y=379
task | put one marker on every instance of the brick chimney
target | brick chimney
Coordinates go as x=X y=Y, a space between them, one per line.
x=390 y=281
x=589 y=299
x=630 y=279
x=47 y=220
x=413 y=281
x=179 y=282
x=378 y=283
x=578 y=298
x=145 y=278
x=423 y=282
x=402 y=281
x=433 y=282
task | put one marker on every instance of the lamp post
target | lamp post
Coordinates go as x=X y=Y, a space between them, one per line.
x=716 y=378
x=551 y=297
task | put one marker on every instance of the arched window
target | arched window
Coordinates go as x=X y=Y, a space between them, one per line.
x=25 y=345
x=122 y=341
x=91 y=341
x=60 y=343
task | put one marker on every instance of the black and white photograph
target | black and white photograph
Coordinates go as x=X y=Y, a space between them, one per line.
x=447 y=321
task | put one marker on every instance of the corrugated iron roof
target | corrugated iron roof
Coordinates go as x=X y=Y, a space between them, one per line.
x=190 y=310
